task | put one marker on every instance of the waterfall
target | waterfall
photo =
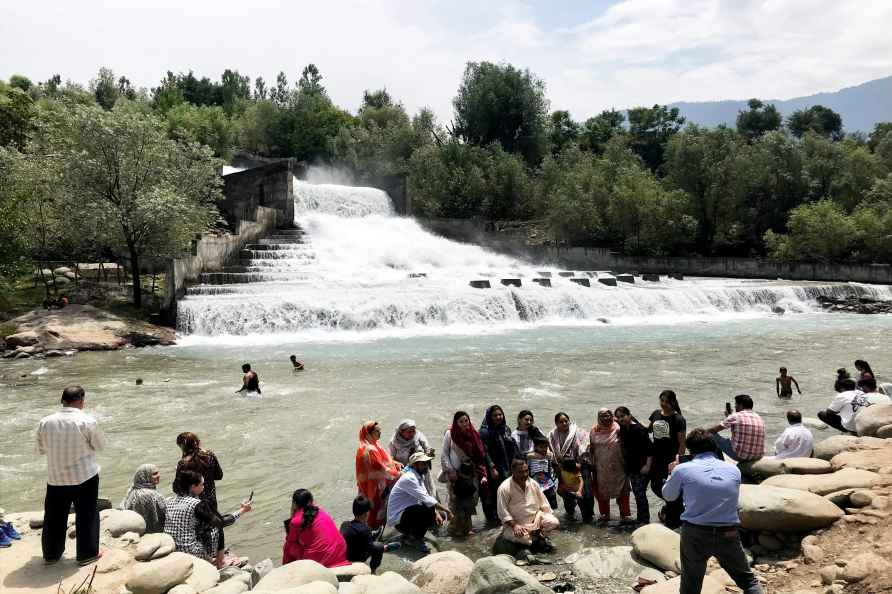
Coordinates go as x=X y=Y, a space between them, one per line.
x=353 y=266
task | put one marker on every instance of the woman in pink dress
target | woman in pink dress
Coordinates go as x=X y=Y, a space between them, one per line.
x=611 y=481
x=312 y=534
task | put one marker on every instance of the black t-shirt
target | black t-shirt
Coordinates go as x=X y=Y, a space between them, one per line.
x=665 y=431
x=636 y=447
x=359 y=540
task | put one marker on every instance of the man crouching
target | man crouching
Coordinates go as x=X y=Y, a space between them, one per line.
x=526 y=516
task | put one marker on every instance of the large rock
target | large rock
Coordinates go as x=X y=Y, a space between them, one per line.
x=885 y=432
x=442 y=573
x=837 y=444
x=862 y=566
x=22 y=339
x=763 y=507
x=296 y=573
x=498 y=574
x=204 y=575
x=608 y=563
x=871 y=460
x=182 y=589
x=160 y=575
x=710 y=586
x=658 y=545
x=386 y=583
x=119 y=521
x=229 y=587
x=260 y=570
x=771 y=466
x=113 y=560
x=154 y=546
x=822 y=484
x=868 y=420
x=345 y=573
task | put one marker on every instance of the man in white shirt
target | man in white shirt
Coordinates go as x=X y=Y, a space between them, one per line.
x=410 y=508
x=796 y=441
x=70 y=439
x=845 y=406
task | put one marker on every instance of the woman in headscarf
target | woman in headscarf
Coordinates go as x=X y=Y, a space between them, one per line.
x=570 y=444
x=407 y=440
x=205 y=463
x=376 y=472
x=501 y=449
x=143 y=497
x=464 y=469
x=611 y=481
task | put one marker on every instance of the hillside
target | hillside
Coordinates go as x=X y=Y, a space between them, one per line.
x=860 y=106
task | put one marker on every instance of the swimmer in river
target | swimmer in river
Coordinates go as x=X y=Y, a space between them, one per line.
x=298 y=365
x=250 y=381
x=784 y=384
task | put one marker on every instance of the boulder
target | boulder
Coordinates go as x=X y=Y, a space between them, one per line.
x=885 y=432
x=22 y=339
x=500 y=574
x=442 y=573
x=113 y=560
x=160 y=575
x=806 y=466
x=61 y=270
x=296 y=573
x=607 y=563
x=827 y=448
x=822 y=484
x=119 y=521
x=868 y=420
x=871 y=460
x=766 y=507
x=862 y=566
x=386 y=583
x=154 y=546
x=260 y=570
x=320 y=587
x=771 y=466
x=710 y=586
x=840 y=498
x=229 y=587
x=659 y=546
x=861 y=498
x=182 y=589
x=204 y=575
x=345 y=573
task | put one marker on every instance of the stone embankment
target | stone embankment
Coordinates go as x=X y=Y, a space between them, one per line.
x=59 y=332
x=861 y=305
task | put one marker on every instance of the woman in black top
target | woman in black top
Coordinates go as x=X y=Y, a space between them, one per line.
x=501 y=449
x=638 y=456
x=668 y=427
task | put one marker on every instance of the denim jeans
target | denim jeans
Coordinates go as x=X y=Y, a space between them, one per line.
x=724 y=444
x=639 y=490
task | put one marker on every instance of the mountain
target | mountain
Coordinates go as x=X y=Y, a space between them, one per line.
x=861 y=106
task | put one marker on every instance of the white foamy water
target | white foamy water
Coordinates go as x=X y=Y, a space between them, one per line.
x=359 y=272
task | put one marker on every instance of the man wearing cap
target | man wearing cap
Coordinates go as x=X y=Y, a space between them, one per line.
x=410 y=508
x=70 y=439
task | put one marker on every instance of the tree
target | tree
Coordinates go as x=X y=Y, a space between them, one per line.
x=310 y=82
x=208 y=125
x=758 y=119
x=167 y=95
x=259 y=89
x=499 y=103
x=14 y=248
x=818 y=119
x=598 y=130
x=562 y=130
x=20 y=82
x=234 y=90
x=150 y=195
x=105 y=88
x=16 y=116
x=880 y=130
x=280 y=94
x=650 y=128
x=818 y=231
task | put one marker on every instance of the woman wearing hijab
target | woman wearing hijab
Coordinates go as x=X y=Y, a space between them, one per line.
x=464 y=469
x=570 y=444
x=611 y=481
x=501 y=449
x=376 y=472
x=143 y=497
x=407 y=440
x=204 y=462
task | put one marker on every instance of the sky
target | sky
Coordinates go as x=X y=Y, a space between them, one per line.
x=592 y=55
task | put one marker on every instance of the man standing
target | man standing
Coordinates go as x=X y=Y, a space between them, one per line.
x=796 y=441
x=845 y=406
x=747 y=441
x=70 y=439
x=410 y=508
x=523 y=510
x=710 y=489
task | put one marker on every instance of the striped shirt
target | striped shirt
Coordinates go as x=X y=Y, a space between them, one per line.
x=70 y=439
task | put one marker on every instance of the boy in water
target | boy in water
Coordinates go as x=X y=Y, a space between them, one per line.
x=361 y=543
x=783 y=384
x=250 y=381
x=297 y=365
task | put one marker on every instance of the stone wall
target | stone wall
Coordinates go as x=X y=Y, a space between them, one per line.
x=515 y=244
x=270 y=185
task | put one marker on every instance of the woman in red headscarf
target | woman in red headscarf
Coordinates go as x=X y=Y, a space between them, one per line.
x=464 y=468
x=376 y=472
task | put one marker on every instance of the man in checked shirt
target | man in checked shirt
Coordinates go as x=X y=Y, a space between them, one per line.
x=70 y=439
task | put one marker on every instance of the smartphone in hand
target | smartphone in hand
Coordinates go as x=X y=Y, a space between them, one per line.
x=685 y=458
x=728 y=409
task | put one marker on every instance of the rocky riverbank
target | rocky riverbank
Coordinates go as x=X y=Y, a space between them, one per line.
x=59 y=332
x=861 y=305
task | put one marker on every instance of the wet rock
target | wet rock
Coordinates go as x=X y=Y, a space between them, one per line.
x=442 y=573
x=823 y=484
x=868 y=420
x=658 y=545
x=160 y=575
x=765 y=507
x=386 y=583
x=154 y=546
x=119 y=521
x=296 y=573
x=499 y=574
x=607 y=562
x=828 y=448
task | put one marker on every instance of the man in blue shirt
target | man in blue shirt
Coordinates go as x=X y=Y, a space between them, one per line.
x=410 y=508
x=710 y=489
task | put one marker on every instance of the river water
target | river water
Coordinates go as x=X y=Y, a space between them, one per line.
x=384 y=360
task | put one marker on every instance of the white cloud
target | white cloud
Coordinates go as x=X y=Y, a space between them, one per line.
x=635 y=52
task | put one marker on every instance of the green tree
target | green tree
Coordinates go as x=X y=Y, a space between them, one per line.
x=105 y=88
x=818 y=231
x=150 y=195
x=14 y=247
x=260 y=90
x=598 y=130
x=499 y=103
x=16 y=116
x=20 y=82
x=204 y=124
x=235 y=90
x=818 y=119
x=310 y=82
x=280 y=94
x=650 y=128
x=562 y=130
x=167 y=95
x=880 y=131
x=758 y=119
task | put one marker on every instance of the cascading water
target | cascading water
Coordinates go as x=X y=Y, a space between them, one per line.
x=354 y=266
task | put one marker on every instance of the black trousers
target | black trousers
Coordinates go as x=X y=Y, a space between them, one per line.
x=699 y=543
x=55 y=519
x=417 y=520
x=832 y=419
